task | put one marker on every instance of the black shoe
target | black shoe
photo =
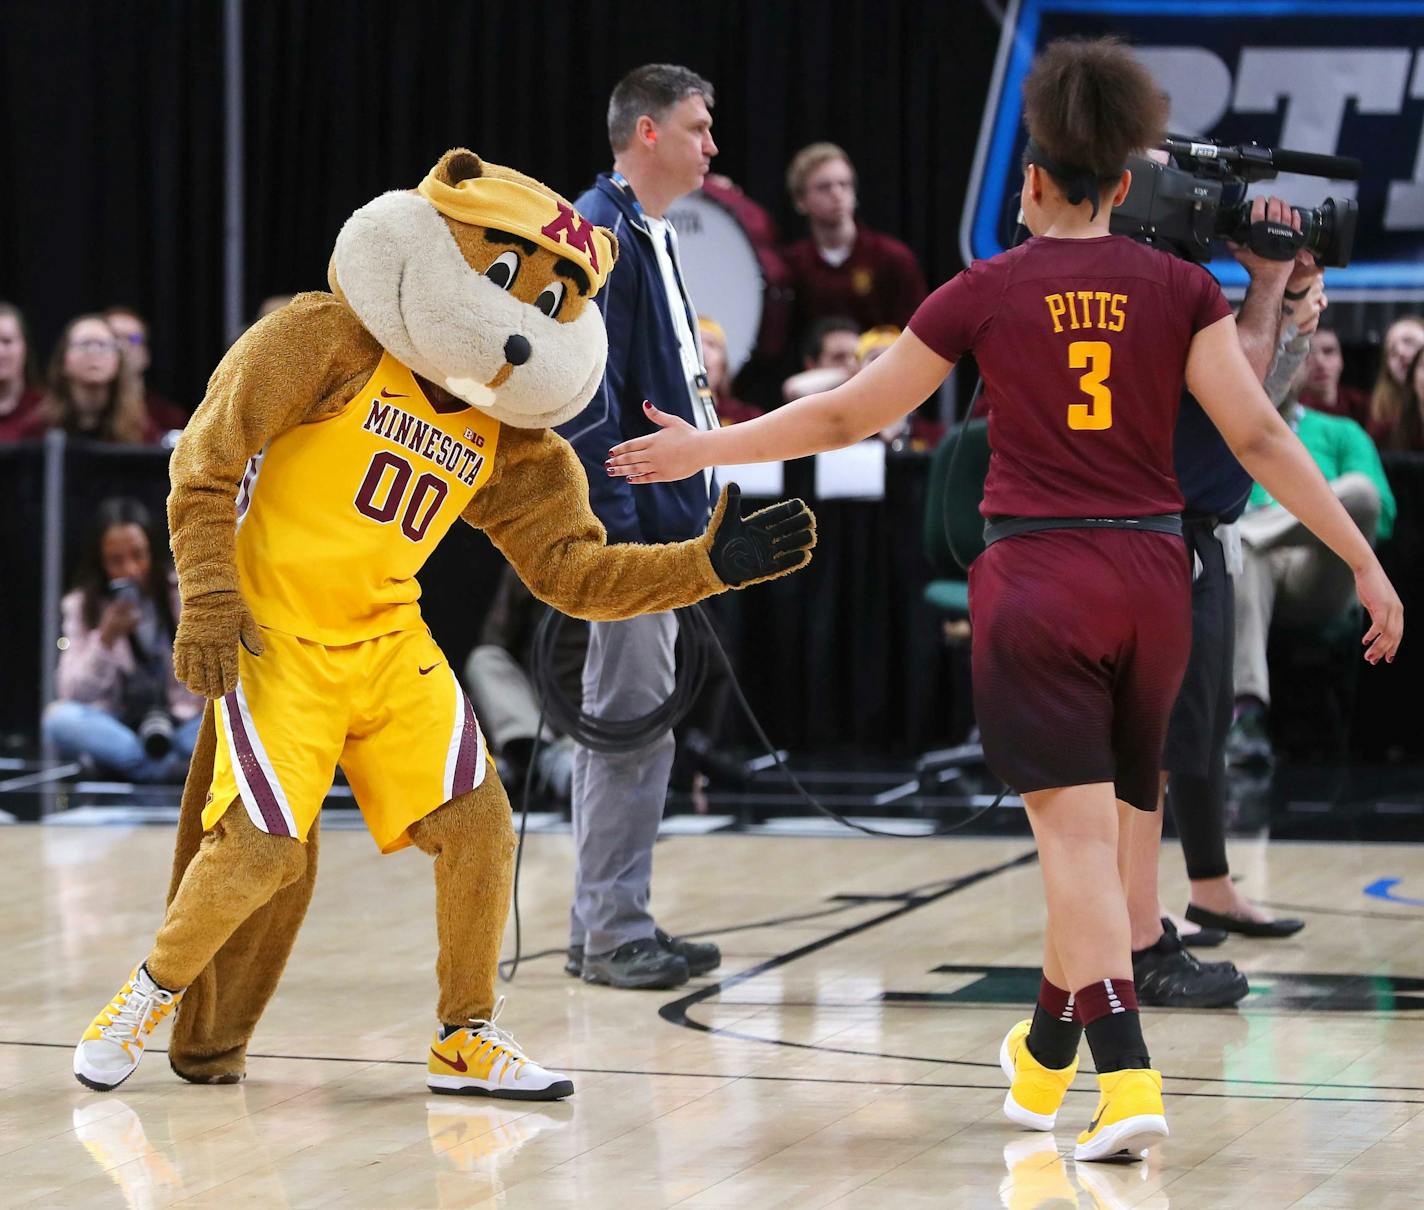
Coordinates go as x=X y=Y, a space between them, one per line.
x=1170 y=930
x=1167 y=976
x=1248 y=743
x=1239 y=924
x=640 y=963
x=1205 y=938
x=573 y=964
x=700 y=956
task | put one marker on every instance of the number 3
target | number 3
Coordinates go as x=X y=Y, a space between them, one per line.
x=1097 y=356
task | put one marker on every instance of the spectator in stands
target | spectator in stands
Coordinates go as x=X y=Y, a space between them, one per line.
x=120 y=708
x=828 y=357
x=730 y=409
x=1403 y=339
x=19 y=396
x=132 y=330
x=92 y=392
x=1324 y=366
x=843 y=267
x=1286 y=572
x=1408 y=435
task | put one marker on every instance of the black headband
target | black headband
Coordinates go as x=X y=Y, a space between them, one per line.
x=1079 y=184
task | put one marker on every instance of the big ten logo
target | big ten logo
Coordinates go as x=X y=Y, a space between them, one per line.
x=1315 y=91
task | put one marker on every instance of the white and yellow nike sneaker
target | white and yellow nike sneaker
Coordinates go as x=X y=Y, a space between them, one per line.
x=1129 y=1118
x=482 y=1060
x=110 y=1050
x=1035 y=1092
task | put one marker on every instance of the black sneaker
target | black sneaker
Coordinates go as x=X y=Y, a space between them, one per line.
x=1248 y=743
x=573 y=964
x=700 y=956
x=1167 y=976
x=640 y=963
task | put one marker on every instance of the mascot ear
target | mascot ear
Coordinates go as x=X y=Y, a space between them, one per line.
x=613 y=247
x=456 y=165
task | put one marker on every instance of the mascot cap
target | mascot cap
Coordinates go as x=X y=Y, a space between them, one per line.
x=542 y=218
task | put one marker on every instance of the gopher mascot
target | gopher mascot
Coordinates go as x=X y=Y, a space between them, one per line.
x=339 y=440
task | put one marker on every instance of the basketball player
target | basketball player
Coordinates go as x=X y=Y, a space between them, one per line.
x=1080 y=603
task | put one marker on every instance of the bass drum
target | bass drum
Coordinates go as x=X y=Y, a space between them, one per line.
x=723 y=275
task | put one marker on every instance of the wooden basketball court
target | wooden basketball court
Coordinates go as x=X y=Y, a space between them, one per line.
x=845 y=1054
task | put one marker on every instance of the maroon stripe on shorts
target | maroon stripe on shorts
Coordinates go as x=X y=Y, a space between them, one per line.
x=464 y=780
x=252 y=770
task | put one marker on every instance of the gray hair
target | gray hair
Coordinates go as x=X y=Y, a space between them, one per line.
x=652 y=89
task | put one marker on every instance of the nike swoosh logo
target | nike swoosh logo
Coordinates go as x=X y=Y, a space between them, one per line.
x=432 y=668
x=385 y=394
x=460 y=1066
x=1092 y=1126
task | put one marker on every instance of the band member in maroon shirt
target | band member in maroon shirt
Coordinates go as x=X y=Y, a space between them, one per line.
x=1080 y=603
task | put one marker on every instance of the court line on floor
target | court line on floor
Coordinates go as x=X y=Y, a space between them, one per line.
x=905 y=1084
x=676 y=1012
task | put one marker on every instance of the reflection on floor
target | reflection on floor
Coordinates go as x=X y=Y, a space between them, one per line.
x=845 y=1054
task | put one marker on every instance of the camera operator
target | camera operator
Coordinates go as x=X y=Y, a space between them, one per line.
x=120 y=708
x=1215 y=488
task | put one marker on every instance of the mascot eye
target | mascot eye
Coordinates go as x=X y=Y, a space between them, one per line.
x=551 y=299
x=504 y=270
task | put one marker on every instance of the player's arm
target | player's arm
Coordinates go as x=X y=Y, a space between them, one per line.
x=278 y=374
x=890 y=387
x=1222 y=380
x=535 y=509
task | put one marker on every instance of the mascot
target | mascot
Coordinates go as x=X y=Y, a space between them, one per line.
x=339 y=440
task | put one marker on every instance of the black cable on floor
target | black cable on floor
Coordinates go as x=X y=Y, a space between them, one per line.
x=696 y=640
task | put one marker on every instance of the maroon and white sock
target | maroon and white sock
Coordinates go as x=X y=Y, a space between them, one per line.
x=1108 y=1010
x=1055 y=1033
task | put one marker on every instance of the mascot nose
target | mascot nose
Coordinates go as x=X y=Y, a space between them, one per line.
x=516 y=350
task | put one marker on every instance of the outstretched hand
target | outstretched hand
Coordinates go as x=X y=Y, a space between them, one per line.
x=674 y=452
x=770 y=542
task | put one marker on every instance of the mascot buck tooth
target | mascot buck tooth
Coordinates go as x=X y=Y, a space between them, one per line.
x=339 y=440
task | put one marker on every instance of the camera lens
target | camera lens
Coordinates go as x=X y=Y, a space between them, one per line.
x=156 y=731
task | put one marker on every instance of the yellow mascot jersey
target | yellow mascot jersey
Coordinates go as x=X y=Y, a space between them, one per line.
x=335 y=518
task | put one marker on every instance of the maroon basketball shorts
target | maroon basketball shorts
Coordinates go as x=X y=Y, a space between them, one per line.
x=1081 y=637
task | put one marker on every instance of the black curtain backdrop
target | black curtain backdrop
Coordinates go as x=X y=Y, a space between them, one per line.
x=111 y=141
x=113 y=128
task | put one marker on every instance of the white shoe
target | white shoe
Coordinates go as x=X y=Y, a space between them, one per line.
x=482 y=1060
x=110 y=1050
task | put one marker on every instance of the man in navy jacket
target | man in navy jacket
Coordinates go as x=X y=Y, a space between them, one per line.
x=660 y=129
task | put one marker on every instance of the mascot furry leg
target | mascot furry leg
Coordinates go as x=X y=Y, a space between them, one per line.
x=238 y=898
x=235 y=903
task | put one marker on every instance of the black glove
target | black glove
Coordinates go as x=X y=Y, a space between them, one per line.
x=772 y=542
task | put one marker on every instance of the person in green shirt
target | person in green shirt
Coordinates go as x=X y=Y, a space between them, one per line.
x=1285 y=571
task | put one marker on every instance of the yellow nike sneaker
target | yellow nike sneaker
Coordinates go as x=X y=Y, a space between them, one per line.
x=481 y=1060
x=1129 y=1119
x=1035 y=1091
x=110 y=1050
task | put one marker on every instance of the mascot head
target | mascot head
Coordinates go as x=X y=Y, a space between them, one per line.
x=482 y=280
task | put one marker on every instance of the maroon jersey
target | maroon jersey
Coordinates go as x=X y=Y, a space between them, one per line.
x=878 y=283
x=1082 y=344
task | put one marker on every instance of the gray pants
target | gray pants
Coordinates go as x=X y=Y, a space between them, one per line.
x=1290 y=574
x=618 y=799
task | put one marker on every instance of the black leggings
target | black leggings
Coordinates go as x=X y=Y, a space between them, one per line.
x=1195 y=753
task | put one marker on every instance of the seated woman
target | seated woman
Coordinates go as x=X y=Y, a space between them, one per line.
x=120 y=707
x=93 y=391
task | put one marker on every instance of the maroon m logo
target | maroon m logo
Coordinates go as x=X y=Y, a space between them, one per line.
x=577 y=233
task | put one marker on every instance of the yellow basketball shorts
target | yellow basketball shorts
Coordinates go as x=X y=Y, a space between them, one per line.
x=389 y=710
